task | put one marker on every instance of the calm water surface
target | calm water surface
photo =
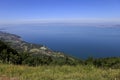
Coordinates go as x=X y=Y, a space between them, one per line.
x=79 y=41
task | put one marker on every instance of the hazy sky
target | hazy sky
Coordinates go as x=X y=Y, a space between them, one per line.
x=51 y=10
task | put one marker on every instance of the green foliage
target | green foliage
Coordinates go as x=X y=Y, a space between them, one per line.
x=65 y=72
x=9 y=55
x=37 y=60
x=89 y=61
x=113 y=62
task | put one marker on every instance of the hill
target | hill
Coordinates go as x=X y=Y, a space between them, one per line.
x=18 y=44
x=18 y=51
x=32 y=54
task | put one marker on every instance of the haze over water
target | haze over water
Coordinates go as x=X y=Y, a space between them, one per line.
x=78 y=41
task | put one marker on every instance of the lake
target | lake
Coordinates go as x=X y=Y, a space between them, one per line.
x=78 y=41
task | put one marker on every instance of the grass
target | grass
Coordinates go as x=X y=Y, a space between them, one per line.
x=16 y=72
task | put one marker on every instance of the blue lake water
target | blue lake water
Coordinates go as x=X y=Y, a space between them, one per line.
x=78 y=41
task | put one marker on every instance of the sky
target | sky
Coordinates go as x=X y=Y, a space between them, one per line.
x=16 y=11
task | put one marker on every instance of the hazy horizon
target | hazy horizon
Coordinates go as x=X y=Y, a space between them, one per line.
x=67 y=11
x=78 y=27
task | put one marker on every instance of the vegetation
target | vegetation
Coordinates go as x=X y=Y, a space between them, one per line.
x=110 y=62
x=17 y=51
x=7 y=54
x=26 y=66
x=65 y=72
x=21 y=46
x=11 y=56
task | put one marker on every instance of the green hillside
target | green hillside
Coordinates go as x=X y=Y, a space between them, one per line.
x=23 y=65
